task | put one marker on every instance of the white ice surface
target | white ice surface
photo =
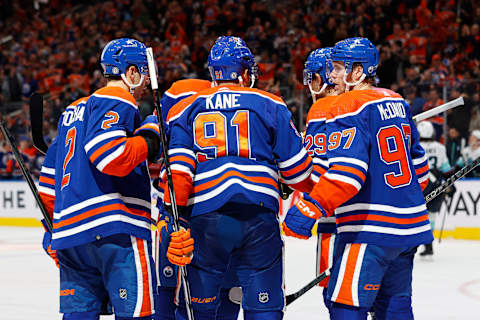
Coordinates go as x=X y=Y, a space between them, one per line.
x=447 y=287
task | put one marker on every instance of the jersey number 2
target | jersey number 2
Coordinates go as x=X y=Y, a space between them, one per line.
x=211 y=133
x=393 y=150
x=70 y=145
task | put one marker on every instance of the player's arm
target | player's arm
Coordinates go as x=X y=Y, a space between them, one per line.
x=109 y=146
x=46 y=182
x=182 y=161
x=46 y=189
x=419 y=158
x=293 y=162
x=348 y=146
x=347 y=152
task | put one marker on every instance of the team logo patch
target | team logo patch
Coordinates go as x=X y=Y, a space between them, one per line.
x=122 y=293
x=115 y=70
x=233 y=75
x=263 y=297
x=168 y=271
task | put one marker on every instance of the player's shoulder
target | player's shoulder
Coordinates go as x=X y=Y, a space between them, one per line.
x=258 y=93
x=78 y=102
x=187 y=87
x=353 y=102
x=319 y=109
x=115 y=95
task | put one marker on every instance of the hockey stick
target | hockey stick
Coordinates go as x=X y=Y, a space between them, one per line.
x=152 y=70
x=36 y=122
x=441 y=108
x=441 y=188
x=26 y=175
x=294 y=296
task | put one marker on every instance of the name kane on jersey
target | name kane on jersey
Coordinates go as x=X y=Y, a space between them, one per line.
x=223 y=101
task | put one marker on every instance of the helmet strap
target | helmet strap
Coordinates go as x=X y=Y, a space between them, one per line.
x=314 y=93
x=252 y=77
x=130 y=85
x=352 y=84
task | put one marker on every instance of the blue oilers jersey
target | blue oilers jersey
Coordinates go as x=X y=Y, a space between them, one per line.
x=376 y=171
x=98 y=171
x=315 y=144
x=178 y=91
x=228 y=145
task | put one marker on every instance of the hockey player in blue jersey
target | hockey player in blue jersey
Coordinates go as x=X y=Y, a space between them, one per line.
x=323 y=94
x=373 y=185
x=101 y=224
x=167 y=271
x=227 y=145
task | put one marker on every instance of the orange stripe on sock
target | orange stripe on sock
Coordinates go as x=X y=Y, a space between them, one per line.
x=345 y=294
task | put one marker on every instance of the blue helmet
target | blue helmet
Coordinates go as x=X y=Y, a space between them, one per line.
x=229 y=57
x=317 y=63
x=357 y=50
x=119 y=54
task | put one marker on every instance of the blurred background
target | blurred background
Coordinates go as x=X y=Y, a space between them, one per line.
x=429 y=53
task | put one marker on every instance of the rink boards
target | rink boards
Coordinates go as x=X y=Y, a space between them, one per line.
x=462 y=219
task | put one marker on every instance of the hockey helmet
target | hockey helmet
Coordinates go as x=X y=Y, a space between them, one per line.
x=317 y=63
x=356 y=50
x=229 y=57
x=425 y=130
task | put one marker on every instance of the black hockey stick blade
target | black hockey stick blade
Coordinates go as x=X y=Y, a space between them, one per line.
x=36 y=122
x=294 y=296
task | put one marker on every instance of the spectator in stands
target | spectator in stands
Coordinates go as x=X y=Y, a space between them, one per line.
x=472 y=151
x=475 y=115
x=454 y=146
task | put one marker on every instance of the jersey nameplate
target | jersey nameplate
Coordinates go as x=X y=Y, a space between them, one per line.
x=72 y=115
x=223 y=101
x=391 y=110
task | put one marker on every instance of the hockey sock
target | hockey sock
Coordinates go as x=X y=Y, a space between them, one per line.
x=166 y=306
x=343 y=312
x=227 y=309
x=259 y=315
x=393 y=308
x=89 y=315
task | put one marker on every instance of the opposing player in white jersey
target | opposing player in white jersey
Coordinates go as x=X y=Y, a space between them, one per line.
x=439 y=165
x=101 y=224
x=373 y=185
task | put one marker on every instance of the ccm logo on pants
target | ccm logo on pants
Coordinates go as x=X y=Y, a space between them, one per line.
x=371 y=287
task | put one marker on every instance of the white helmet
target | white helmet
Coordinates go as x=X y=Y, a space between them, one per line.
x=426 y=130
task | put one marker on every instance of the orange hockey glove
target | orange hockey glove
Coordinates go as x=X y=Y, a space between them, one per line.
x=180 y=249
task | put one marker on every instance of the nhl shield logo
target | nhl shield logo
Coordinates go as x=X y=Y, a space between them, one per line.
x=263 y=297
x=168 y=271
x=122 y=293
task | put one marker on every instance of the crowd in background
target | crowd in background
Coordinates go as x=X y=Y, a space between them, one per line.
x=429 y=53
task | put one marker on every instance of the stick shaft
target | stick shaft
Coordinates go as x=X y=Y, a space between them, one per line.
x=26 y=175
x=441 y=108
x=163 y=141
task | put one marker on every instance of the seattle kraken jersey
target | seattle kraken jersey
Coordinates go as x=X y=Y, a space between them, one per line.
x=228 y=144
x=375 y=168
x=437 y=155
x=97 y=172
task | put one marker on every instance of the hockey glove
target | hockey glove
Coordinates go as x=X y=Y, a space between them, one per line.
x=150 y=131
x=47 y=240
x=180 y=249
x=301 y=217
